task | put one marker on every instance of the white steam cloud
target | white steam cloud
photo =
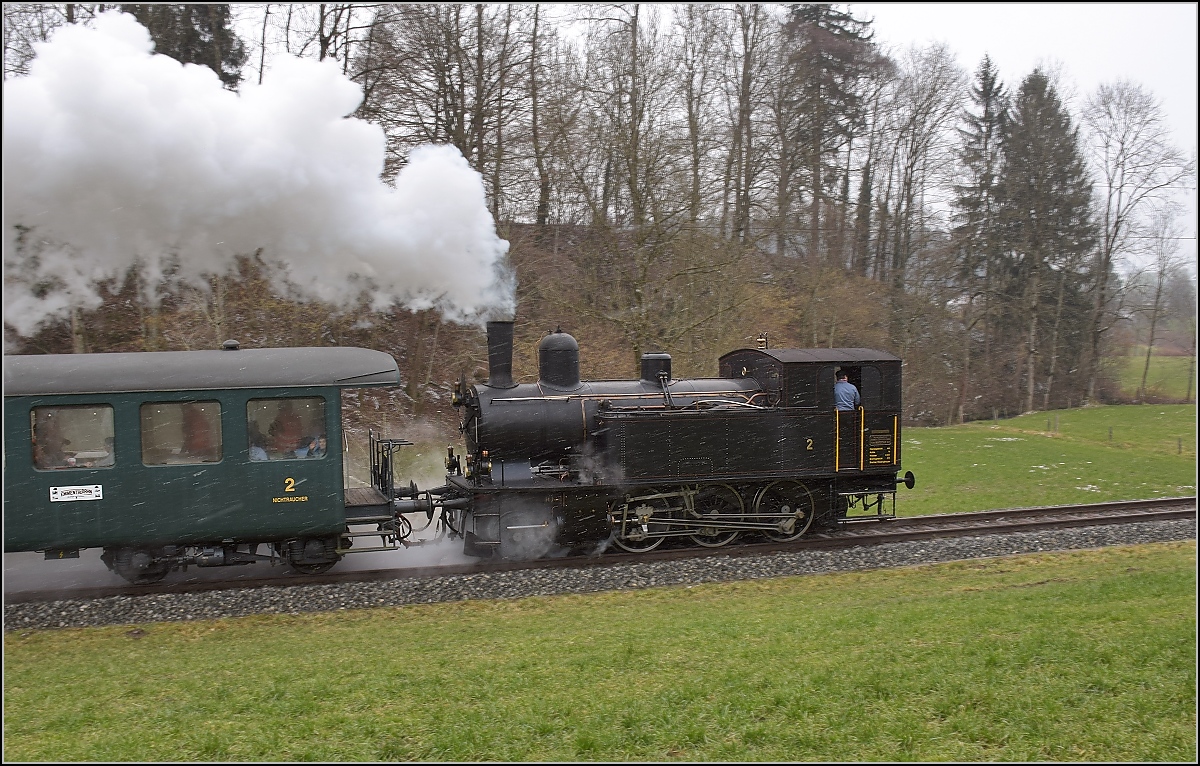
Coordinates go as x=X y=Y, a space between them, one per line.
x=115 y=157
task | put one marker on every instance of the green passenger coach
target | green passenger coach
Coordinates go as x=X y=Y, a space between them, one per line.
x=166 y=459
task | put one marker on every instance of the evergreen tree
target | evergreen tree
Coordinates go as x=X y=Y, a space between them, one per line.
x=831 y=56
x=194 y=34
x=1046 y=218
x=977 y=209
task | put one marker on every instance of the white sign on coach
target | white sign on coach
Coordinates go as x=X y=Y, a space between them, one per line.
x=83 y=492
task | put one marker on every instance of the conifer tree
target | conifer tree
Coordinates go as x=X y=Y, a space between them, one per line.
x=977 y=209
x=194 y=33
x=1046 y=216
x=831 y=56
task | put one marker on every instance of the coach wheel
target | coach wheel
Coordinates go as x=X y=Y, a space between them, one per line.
x=789 y=505
x=312 y=556
x=140 y=566
x=644 y=515
x=720 y=503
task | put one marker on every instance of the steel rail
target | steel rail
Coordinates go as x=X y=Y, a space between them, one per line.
x=852 y=534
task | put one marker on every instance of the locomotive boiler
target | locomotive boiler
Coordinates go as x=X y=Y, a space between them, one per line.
x=567 y=464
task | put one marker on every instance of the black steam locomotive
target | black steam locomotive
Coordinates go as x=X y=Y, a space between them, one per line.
x=571 y=464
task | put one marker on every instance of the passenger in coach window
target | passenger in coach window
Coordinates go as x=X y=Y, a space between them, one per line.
x=285 y=429
x=317 y=446
x=197 y=433
x=845 y=394
x=49 y=445
x=108 y=459
x=258 y=444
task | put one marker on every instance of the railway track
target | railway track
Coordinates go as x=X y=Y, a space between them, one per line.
x=849 y=534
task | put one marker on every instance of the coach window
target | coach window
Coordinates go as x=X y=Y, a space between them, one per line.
x=79 y=436
x=181 y=433
x=286 y=429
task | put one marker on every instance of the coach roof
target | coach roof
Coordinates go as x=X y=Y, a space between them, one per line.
x=197 y=370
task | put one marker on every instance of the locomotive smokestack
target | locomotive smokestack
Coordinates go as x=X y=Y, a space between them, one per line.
x=500 y=351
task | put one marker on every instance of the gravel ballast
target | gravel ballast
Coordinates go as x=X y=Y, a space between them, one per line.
x=295 y=599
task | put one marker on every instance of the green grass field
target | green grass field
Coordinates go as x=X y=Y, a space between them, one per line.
x=1082 y=656
x=1167 y=378
x=1023 y=461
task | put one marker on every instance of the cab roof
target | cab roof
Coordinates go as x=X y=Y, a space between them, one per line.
x=807 y=355
x=341 y=366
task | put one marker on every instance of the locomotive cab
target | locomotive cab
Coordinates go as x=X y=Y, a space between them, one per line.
x=863 y=444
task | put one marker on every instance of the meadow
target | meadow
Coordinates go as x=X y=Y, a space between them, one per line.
x=1082 y=455
x=1080 y=656
x=1167 y=378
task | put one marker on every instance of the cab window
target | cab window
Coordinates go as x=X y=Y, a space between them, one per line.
x=286 y=429
x=79 y=436
x=181 y=433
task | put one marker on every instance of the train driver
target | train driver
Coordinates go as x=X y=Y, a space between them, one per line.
x=845 y=394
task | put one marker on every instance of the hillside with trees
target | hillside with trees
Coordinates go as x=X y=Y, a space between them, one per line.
x=686 y=178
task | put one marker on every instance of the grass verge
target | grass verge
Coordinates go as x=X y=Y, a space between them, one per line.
x=1086 y=656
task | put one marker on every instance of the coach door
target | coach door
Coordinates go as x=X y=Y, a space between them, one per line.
x=292 y=463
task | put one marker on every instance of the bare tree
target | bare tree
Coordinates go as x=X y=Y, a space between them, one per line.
x=1164 y=246
x=29 y=23
x=697 y=48
x=930 y=93
x=1136 y=164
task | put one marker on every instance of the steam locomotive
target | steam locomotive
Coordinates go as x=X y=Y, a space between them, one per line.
x=570 y=464
x=167 y=460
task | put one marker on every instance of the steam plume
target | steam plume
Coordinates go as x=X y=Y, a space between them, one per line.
x=115 y=157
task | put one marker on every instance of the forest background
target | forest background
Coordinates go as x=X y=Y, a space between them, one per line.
x=688 y=178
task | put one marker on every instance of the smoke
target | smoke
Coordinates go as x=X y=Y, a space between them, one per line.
x=115 y=157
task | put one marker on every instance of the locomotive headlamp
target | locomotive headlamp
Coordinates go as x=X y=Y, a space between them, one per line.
x=456 y=399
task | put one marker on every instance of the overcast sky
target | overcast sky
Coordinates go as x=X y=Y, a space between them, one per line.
x=1154 y=44
x=1150 y=43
